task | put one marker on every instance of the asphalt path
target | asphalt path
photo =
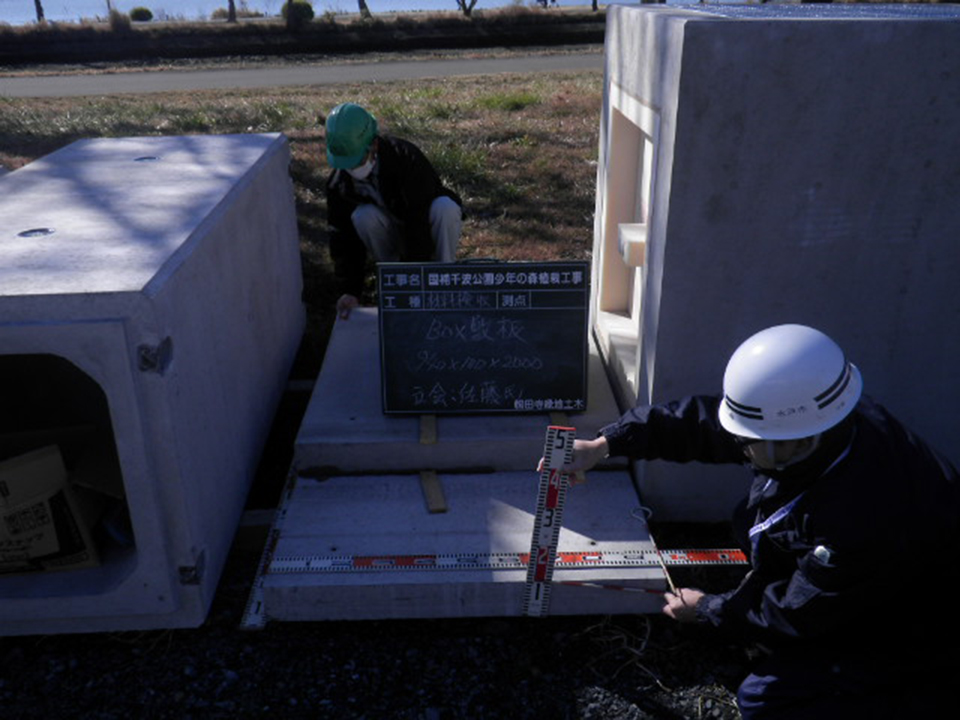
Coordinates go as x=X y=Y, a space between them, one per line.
x=294 y=75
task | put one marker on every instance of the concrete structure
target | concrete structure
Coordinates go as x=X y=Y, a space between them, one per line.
x=149 y=314
x=359 y=492
x=770 y=164
x=487 y=513
x=344 y=429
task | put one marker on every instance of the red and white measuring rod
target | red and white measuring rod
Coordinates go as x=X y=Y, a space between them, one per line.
x=588 y=559
x=547 y=521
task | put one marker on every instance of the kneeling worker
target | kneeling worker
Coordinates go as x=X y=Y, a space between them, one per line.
x=844 y=525
x=383 y=198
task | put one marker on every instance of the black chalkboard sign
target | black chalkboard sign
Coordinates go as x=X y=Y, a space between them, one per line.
x=483 y=337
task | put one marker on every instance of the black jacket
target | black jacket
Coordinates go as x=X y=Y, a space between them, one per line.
x=846 y=564
x=408 y=185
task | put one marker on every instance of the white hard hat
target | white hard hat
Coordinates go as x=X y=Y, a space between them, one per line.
x=788 y=382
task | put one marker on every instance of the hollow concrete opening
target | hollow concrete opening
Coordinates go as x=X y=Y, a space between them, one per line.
x=49 y=402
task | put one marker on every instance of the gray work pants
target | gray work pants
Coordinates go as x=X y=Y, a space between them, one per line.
x=379 y=231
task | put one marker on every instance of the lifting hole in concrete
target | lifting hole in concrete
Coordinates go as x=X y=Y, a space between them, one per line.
x=36 y=232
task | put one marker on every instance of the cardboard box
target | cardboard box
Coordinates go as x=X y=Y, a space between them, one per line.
x=41 y=524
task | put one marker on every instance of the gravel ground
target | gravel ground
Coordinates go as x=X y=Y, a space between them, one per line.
x=590 y=668
x=587 y=668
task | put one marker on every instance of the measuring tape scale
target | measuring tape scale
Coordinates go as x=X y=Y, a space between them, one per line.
x=539 y=562
x=501 y=561
x=548 y=519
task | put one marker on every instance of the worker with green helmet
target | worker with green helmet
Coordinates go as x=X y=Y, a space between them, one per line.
x=385 y=201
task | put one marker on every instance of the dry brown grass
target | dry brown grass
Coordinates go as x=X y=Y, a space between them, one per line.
x=521 y=150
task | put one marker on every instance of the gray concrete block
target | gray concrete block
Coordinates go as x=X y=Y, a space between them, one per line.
x=359 y=493
x=163 y=275
x=488 y=513
x=345 y=431
x=804 y=169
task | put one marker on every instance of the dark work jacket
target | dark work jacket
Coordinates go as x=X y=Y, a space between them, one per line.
x=856 y=562
x=408 y=185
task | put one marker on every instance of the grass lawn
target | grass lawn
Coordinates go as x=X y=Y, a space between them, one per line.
x=520 y=149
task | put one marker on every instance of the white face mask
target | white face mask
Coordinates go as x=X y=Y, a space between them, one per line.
x=780 y=454
x=362 y=171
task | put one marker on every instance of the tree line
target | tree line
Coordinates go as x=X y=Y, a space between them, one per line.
x=296 y=12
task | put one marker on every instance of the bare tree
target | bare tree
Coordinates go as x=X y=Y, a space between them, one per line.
x=364 y=10
x=231 y=11
x=466 y=6
x=39 y=7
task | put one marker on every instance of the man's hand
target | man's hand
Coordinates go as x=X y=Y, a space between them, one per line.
x=682 y=605
x=586 y=454
x=345 y=305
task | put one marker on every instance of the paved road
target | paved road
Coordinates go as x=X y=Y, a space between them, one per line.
x=286 y=76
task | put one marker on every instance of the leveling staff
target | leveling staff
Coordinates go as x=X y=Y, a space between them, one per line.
x=383 y=198
x=851 y=524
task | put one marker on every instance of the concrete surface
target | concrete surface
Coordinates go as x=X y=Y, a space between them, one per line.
x=358 y=492
x=345 y=431
x=488 y=513
x=166 y=273
x=804 y=170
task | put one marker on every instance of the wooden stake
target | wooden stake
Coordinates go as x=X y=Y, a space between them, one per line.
x=428 y=429
x=433 y=491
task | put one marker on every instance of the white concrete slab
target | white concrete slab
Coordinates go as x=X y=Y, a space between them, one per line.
x=165 y=272
x=386 y=515
x=345 y=431
x=117 y=210
x=801 y=167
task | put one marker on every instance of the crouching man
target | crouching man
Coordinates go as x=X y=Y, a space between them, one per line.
x=851 y=526
x=385 y=199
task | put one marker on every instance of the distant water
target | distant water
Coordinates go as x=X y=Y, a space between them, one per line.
x=19 y=12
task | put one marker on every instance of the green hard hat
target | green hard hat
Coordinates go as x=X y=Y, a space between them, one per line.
x=350 y=131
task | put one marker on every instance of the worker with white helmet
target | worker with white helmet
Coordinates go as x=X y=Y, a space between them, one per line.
x=384 y=200
x=844 y=513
